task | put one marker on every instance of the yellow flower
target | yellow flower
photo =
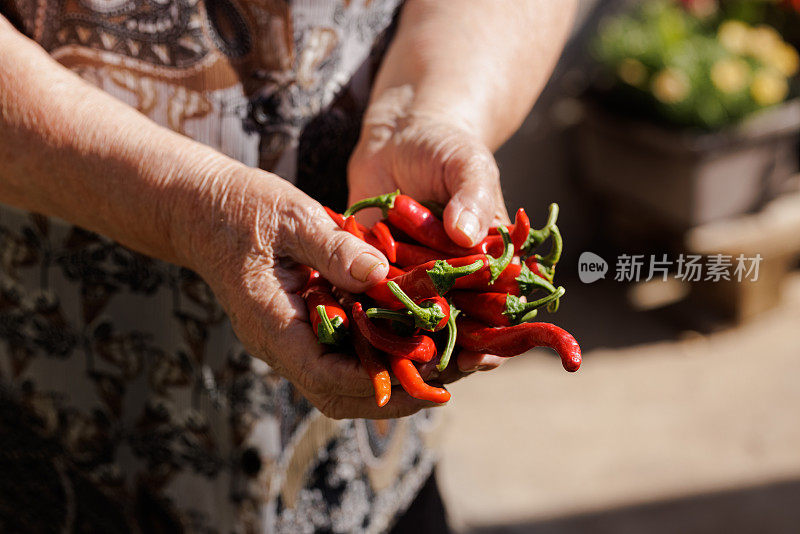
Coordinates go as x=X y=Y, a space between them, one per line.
x=784 y=59
x=670 y=86
x=632 y=72
x=730 y=75
x=734 y=35
x=768 y=87
x=763 y=41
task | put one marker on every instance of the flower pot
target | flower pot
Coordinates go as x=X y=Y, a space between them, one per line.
x=682 y=179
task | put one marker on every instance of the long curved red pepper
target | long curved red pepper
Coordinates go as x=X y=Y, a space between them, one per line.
x=418 y=348
x=409 y=377
x=513 y=340
x=417 y=221
x=500 y=309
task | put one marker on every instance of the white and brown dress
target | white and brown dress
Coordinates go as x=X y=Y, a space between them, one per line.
x=126 y=402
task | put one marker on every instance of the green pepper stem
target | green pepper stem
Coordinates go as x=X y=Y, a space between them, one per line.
x=521 y=312
x=529 y=281
x=425 y=318
x=328 y=332
x=393 y=315
x=443 y=275
x=385 y=202
x=452 y=331
x=537 y=236
x=552 y=216
x=498 y=265
x=555 y=250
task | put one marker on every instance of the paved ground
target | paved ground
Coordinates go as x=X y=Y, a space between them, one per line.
x=662 y=430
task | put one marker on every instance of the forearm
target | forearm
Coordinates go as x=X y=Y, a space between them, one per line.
x=483 y=62
x=69 y=150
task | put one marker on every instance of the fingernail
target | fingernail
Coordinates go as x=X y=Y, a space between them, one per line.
x=468 y=224
x=363 y=266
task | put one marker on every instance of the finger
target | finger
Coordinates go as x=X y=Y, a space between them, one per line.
x=469 y=361
x=320 y=370
x=275 y=327
x=401 y=404
x=473 y=182
x=312 y=238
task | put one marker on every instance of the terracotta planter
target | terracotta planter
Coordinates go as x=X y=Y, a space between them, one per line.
x=682 y=179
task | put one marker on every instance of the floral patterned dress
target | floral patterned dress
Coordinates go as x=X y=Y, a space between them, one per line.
x=126 y=402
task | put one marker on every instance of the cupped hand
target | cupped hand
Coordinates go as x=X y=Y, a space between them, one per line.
x=246 y=245
x=433 y=156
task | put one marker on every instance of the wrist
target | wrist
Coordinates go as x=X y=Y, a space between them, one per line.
x=395 y=109
x=198 y=188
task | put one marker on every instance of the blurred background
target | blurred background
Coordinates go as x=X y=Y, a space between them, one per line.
x=669 y=127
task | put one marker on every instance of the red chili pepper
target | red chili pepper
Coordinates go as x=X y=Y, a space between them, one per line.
x=519 y=231
x=337 y=218
x=409 y=255
x=522 y=227
x=418 y=348
x=328 y=319
x=340 y=220
x=409 y=377
x=513 y=340
x=384 y=237
x=501 y=309
x=394 y=272
x=535 y=237
x=412 y=218
x=493 y=268
x=350 y=225
x=427 y=280
x=371 y=362
x=312 y=276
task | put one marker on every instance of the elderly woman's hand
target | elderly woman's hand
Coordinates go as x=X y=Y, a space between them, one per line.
x=430 y=157
x=244 y=241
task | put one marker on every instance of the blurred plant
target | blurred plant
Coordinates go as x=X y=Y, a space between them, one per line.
x=696 y=63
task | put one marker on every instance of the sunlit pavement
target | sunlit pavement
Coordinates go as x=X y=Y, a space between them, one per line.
x=638 y=439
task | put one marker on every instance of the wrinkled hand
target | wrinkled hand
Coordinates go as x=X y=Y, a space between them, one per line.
x=430 y=156
x=245 y=247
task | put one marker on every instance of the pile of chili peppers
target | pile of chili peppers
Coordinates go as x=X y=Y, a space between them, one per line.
x=439 y=295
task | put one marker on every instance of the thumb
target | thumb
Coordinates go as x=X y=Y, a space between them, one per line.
x=476 y=199
x=313 y=239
